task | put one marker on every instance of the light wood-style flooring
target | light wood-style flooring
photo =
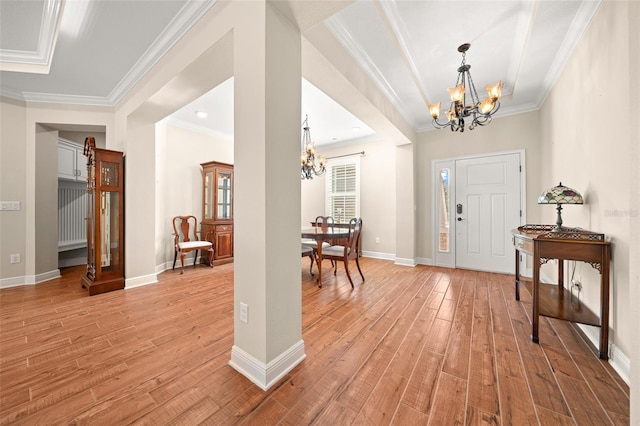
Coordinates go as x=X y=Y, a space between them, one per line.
x=410 y=346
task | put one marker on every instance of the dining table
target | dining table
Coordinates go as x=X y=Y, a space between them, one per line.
x=322 y=234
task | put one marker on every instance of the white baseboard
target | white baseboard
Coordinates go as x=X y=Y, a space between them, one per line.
x=266 y=375
x=140 y=281
x=46 y=276
x=163 y=267
x=378 y=255
x=29 y=279
x=167 y=266
x=12 y=282
x=405 y=262
x=618 y=359
x=398 y=260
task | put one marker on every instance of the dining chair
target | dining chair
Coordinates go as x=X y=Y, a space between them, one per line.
x=324 y=222
x=311 y=254
x=347 y=252
x=321 y=221
x=185 y=240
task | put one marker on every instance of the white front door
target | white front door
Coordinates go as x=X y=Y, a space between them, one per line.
x=477 y=203
x=487 y=208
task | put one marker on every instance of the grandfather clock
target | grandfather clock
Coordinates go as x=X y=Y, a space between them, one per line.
x=105 y=219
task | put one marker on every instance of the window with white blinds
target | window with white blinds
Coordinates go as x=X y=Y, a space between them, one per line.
x=343 y=189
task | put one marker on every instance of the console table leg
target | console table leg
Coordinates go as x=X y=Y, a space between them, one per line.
x=535 y=296
x=517 y=275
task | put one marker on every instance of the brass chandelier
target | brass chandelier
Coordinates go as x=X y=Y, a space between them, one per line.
x=479 y=113
x=309 y=167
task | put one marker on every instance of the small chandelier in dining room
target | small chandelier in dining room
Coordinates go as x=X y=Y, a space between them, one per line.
x=479 y=113
x=308 y=155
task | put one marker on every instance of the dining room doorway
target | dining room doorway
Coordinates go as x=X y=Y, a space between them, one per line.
x=477 y=202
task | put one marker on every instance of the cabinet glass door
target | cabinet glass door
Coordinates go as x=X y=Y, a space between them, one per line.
x=109 y=230
x=224 y=195
x=208 y=195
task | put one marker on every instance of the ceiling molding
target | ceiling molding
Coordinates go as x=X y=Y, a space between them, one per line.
x=66 y=99
x=192 y=11
x=342 y=34
x=520 y=44
x=36 y=61
x=388 y=11
x=579 y=26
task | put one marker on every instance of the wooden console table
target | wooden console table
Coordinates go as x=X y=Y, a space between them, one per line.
x=551 y=300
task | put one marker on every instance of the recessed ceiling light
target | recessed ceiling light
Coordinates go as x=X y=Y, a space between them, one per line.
x=355 y=129
x=201 y=114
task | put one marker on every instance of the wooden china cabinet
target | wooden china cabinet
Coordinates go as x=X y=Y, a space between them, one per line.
x=217 y=210
x=105 y=219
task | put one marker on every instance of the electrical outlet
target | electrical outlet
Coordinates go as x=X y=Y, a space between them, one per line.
x=577 y=284
x=377 y=240
x=244 y=313
x=10 y=205
x=14 y=258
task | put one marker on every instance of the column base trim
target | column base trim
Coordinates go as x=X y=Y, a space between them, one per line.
x=266 y=375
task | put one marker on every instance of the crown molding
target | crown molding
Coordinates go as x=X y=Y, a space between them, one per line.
x=578 y=27
x=342 y=34
x=190 y=13
x=38 y=61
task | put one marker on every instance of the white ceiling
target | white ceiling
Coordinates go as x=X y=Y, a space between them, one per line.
x=93 y=51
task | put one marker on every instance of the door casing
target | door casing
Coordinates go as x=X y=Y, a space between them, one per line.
x=448 y=259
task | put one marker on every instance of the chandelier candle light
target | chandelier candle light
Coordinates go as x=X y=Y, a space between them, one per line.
x=480 y=113
x=308 y=156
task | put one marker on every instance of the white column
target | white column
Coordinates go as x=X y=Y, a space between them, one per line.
x=139 y=206
x=405 y=206
x=634 y=204
x=267 y=98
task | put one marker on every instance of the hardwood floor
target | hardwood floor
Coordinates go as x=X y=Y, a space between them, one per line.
x=420 y=345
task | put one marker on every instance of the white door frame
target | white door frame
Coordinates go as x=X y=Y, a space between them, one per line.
x=448 y=259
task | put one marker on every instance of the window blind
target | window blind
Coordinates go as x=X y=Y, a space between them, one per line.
x=343 y=189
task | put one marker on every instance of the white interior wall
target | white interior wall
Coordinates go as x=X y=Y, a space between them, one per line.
x=377 y=194
x=46 y=205
x=592 y=156
x=179 y=153
x=13 y=187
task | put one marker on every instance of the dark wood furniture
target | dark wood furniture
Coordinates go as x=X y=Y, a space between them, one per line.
x=310 y=253
x=348 y=251
x=186 y=240
x=105 y=219
x=322 y=234
x=329 y=222
x=322 y=221
x=217 y=209
x=553 y=300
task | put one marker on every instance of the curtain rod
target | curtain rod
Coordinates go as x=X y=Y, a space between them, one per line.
x=346 y=155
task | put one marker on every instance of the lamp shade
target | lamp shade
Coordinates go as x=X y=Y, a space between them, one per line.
x=560 y=195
